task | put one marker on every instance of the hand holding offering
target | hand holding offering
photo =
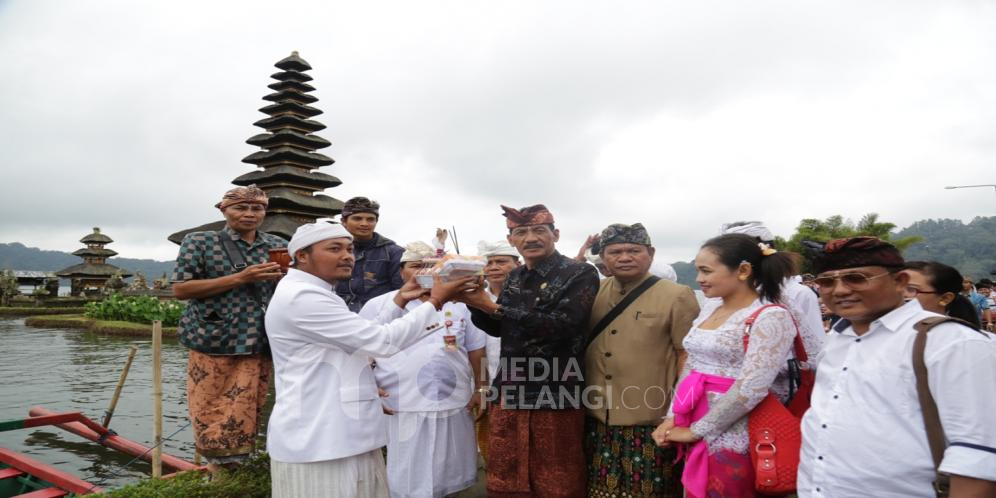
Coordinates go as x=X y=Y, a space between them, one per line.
x=410 y=291
x=443 y=291
x=262 y=271
x=281 y=257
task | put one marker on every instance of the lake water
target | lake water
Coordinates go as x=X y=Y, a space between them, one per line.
x=67 y=370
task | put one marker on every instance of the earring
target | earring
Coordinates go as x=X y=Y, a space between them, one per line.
x=742 y=278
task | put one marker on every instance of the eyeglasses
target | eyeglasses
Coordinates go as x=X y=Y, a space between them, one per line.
x=913 y=291
x=853 y=281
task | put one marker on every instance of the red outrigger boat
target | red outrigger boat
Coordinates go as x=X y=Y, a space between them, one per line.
x=26 y=477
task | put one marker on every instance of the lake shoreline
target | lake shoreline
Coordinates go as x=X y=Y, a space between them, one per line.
x=103 y=327
x=22 y=311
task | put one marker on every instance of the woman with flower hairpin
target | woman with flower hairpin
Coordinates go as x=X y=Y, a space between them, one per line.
x=721 y=382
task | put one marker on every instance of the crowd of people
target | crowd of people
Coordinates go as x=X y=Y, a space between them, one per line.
x=596 y=375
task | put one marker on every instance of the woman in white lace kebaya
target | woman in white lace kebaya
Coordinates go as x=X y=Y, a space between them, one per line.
x=721 y=383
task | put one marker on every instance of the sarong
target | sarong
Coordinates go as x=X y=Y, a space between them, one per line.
x=625 y=461
x=430 y=454
x=708 y=472
x=225 y=395
x=358 y=476
x=536 y=453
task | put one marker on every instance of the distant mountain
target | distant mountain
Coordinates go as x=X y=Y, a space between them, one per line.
x=686 y=273
x=970 y=248
x=16 y=256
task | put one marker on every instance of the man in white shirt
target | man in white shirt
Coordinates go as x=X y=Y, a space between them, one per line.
x=327 y=426
x=865 y=433
x=431 y=447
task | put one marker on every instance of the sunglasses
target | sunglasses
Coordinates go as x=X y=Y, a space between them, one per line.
x=853 y=281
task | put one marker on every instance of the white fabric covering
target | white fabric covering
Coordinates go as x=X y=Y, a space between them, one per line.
x=431 y=453
x=497 y=248
x=311 y=233
x=359 y=476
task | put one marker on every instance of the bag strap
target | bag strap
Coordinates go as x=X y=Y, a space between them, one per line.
x=794 y=369
x=238 y=260
x=800 y=349
x=619 y=308
x=232 y=250
x=931 y=418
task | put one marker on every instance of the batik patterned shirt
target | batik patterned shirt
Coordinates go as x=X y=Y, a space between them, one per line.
x=230 y=323
x=543 y=331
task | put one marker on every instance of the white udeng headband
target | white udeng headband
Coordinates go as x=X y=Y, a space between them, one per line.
x=311 y=233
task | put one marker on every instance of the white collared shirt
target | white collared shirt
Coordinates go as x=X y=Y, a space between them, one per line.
x=427 y=376
x=864 y=434
x=327 y=405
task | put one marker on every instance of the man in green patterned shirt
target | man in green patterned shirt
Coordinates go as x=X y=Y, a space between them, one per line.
x=227 y=279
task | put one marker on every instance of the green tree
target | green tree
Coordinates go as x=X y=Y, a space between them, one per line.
x=8 y=286
x=836 y=227
x=869 y=225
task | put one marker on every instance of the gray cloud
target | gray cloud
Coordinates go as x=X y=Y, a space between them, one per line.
x=682 y=116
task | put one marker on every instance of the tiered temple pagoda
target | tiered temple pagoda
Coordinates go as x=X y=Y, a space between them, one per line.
x=93 y=273
x=288 y=164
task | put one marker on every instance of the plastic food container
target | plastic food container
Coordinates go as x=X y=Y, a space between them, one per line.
x=450 y=268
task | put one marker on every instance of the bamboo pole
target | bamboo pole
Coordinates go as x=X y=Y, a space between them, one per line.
x=117 y=390
x=157 y=399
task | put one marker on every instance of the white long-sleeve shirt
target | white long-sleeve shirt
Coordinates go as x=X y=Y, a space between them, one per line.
x=428 y=377
x=864 y=433
x=804 y=305
x=327 y=405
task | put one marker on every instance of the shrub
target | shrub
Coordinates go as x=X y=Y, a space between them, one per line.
x=137 y=309
x=250 y=480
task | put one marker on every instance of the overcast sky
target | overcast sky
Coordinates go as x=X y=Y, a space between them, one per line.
x=133 y=116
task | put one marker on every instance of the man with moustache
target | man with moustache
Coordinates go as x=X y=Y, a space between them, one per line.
x=541 y=317
x=865 y=434
x=634 y=359
x=227 y=281
x=327 y=425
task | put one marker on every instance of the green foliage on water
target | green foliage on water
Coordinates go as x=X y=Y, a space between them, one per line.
x=250 y=480
x=136 y=309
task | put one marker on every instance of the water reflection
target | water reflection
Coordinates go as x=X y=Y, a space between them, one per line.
x=76 y=371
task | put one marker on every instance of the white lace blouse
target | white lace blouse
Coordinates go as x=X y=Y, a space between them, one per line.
x=721 y=352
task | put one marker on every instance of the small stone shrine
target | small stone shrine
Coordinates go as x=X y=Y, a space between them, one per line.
x=91 y=275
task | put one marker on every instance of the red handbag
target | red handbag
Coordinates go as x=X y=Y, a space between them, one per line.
x=775 y=429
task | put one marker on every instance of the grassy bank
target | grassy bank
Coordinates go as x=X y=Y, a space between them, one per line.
x=33 y=311
x=106 y=327
x=251 y=480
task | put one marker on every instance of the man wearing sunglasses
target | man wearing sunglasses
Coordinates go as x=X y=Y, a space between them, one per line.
x=865 y=434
